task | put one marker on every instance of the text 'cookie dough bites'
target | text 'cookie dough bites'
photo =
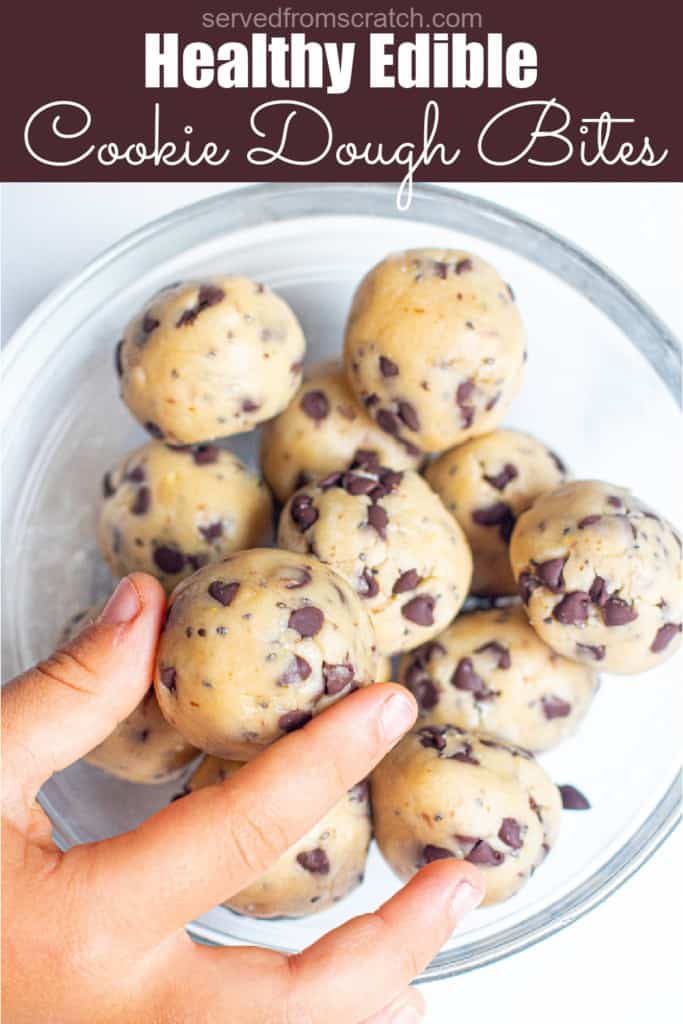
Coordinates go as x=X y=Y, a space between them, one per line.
x=317 y=871
x=601 y=576
x=143 y=747
x=321 y=430
x=486 y=483
x=208 y=359
x=443 y=792
x=490 y=672
x=254 y=646
x=390 y=536
x=168 y=511
x=434 y=347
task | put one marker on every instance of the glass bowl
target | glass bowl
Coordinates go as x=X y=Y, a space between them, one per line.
x=600 y=388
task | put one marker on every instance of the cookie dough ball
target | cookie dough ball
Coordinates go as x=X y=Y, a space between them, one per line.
x=390 y=536
x=434 y=347
x=601 y=576
x=208 y=359
x=443 y=792
x=318 y=871
x=143 y=747
x=322 y=430
x=254 y=646
x=168 y=511
x=486 y=483
x=490 y=672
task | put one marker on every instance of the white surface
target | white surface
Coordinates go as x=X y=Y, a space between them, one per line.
x=621 y=958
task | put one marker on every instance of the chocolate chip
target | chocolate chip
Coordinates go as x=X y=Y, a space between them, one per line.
x=502 y=479
x=465 y=678
x=482 y=853
x=510 y=832
x=336 y=677
x=136 y=475
x=408 y=415
x=118 y=358
x=297 y=669
x=141 y=503
x=387 y=367
x=431 y=853
x=504 y=660
x=499 y=514
x=169 y=678
x=492 y=402
x=432 y=737
x=464 y=755
x=359 y=793
x=390 y=478
x=210 y=295
x=205 y=454
x=303 y=512
x=588 y=521
x=149 y=323
x=463 y=266
x=292 y=720
x=331 y=480
x=617 y=612
x=367 y=584
x=464 y=393
x=212 y=532
x=572 y=610
x=573 y=799
x=315 y=404
x=108 y=488
x=223 y=592
x=169 y=560
x=307 y=621
x=614 y=501
x=664 y=636
x=406 y=581
x=598 y=591
x=425 y=693
x=419 y=610
x=441 y=269
x=314 y=861
x=594 y=651
x=378 y=519
x=526 y=584
x=249 y=405
x=550 y=574
x=555 y=707
x=301 y=578
x=387 y=422
x=355 y=484
x=366 y=459
x=154 y=429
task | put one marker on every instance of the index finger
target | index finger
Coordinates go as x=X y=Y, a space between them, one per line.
x=204 y=848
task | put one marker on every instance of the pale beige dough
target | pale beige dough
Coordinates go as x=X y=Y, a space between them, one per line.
x=486 y=483
x=383 y=670
x=321 y=431
x=444 y=792
x=143 y=747
x=490 y=672
x=434 y=347
x=255 y=645
x=168 y=511
x=205 y=359
x=389 y=535
x=601 y=575
x=317 y=871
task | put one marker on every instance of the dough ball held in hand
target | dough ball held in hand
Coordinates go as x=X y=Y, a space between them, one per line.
x=601 y=576
x=169 y=511
x=143 y=747
x=390 y=536
x=320 y=869
x=490 y=672
x=209 y=359
x=486 y=484
x=254 y=646
x=434 y=347
x=443 y=792
x=322 y=430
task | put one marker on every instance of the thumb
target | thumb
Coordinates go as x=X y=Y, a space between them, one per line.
x=58 y=711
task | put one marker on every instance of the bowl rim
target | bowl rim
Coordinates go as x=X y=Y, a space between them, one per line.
x=649 y=334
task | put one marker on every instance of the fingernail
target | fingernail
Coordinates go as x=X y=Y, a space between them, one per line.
x=465 y=899
x=406 y=1014
x=122 y=606
x=397 y=716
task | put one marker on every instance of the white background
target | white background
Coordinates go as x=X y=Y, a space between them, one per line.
x=622 y=962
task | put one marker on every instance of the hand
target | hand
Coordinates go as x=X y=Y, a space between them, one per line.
x=96 y=934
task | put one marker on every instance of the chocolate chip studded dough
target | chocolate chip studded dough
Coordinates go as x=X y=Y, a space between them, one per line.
x=389 y=535
x=322 y=430
x=601 y=575
x=486 y=483
x=434 y=347
x=143 y=747
x=254 y=646
x=208 y=359
x=489 y=672
x=443 y=792
x=317 y=871
x=168 y=511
